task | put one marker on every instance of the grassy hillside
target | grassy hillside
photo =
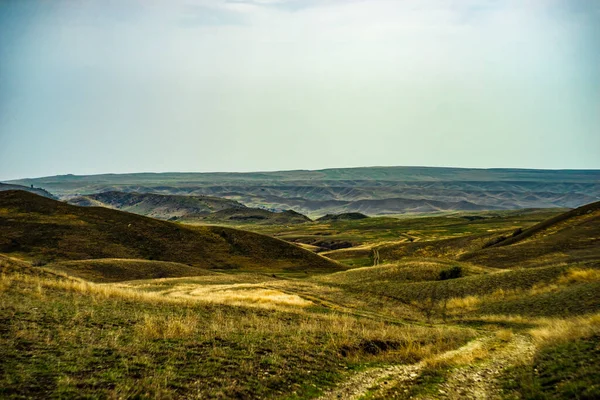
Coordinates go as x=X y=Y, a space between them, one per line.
x=377 y=232
x=65 y=339
x=38 y=228
x=447 y=311
x=570 y=237
x=117 y=270
x=407 y=271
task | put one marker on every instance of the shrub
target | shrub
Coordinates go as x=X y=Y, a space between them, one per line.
x=451 y=273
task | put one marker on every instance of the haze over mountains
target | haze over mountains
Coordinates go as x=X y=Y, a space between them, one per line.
x=372 y=191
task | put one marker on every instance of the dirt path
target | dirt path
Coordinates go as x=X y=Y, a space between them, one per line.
x=480 y=381
x=477 y=381
x=359 y=384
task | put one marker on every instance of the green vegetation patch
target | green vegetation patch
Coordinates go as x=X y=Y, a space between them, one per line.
x=565 y=371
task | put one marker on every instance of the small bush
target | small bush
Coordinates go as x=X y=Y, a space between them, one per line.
x=451 y=273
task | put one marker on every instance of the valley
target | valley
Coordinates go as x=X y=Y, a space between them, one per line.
x=98 y=302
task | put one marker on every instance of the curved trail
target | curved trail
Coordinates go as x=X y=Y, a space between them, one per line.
x=477 y=381
x=481 y=381
x=359 y=384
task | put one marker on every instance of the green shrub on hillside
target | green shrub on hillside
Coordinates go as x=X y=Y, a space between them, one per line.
x=451 y=273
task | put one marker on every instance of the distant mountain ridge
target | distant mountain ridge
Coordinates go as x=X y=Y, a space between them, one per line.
x=373 y=190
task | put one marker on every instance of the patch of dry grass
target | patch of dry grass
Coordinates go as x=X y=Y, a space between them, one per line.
x=239 y=294
x=166 y=327
x=469 y=354
x=577 y=275
x=151 y=345
x=571 y=276
x=504 y=335
x=5 y=281
x=464 y=303
x=553 y=330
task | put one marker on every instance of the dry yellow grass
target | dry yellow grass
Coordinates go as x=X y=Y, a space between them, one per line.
x=5 y=281
x=469 y=302
x=552 y=331
x=576 y=275
x=166 y=327
x=466 y=355
x=238 y=294
x=341 y=329
x=504 y=335
x=95 y=290
x=569 y=277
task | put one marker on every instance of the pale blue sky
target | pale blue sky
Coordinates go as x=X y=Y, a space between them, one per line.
x=101 y=86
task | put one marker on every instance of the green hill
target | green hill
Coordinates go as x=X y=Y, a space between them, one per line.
x=570 y=237
x=35 y=227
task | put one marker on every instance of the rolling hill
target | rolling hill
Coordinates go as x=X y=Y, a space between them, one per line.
x=449 y=307
x=31 y=189
x=118 y=270
x=34 y=227
x=570 y=237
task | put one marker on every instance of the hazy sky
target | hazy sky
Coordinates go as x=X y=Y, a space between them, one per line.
x=94 y=86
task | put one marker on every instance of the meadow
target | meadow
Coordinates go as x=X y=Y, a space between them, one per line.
x=415 y=307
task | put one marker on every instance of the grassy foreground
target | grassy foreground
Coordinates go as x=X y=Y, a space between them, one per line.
x=62 y=337
x=433 y=318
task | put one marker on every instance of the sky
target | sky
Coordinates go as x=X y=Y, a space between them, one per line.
x=109 y=86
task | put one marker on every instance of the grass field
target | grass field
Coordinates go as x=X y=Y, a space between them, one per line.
x=433 y=318
x=64 y=338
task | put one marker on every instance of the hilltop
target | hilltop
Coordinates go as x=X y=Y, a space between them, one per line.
x=31 y=189
x=35 y=227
